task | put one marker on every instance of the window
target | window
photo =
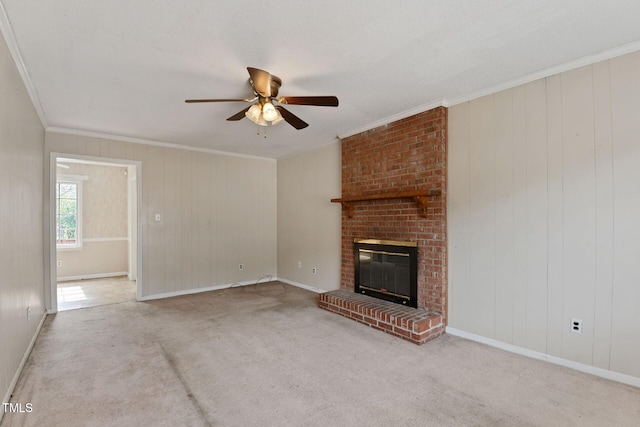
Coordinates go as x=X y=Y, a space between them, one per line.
x=69 y=212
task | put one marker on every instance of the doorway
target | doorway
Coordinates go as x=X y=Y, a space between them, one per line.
x=95 y=244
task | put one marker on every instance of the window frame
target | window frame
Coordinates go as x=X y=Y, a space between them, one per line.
x=77 y=181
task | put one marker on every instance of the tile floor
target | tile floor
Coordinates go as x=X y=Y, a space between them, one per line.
x=91 y=293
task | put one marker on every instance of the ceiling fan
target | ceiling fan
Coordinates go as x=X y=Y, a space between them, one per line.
x=265 y=89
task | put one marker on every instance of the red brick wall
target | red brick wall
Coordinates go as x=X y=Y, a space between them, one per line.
x=409 y=154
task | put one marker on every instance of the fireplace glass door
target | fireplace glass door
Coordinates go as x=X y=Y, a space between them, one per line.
x=387 y=270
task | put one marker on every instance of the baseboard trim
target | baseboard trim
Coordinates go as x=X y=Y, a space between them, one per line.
x=302 y=285
x=25 y=357
x=198 y=290
x=230 y=285
x=599 y=372
x=92 y=276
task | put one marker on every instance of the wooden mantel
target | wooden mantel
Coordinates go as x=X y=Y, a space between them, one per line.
x=421 y=197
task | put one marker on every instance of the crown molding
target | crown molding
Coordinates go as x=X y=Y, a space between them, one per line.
x=556 y=69
x=121 y=138
x=547 y=72
x=12 y=44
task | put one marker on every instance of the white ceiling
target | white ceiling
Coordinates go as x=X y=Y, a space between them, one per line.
x=125 y=67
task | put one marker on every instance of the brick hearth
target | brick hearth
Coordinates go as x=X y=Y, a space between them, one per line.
x=417 y=326
x=408 y=155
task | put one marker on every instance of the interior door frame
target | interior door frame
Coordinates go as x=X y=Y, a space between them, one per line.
x=53 y=261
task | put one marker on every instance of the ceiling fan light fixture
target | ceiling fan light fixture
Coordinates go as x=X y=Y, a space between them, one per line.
x=265 y=90
x=278 y=118
x=261 y=121
x=269 y=111
x=254 y=113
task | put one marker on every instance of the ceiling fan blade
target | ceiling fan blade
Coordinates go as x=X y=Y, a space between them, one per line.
x=261 y=81
x=238 y=116
x=321 y=101
x=291 y=118
x=191 y=101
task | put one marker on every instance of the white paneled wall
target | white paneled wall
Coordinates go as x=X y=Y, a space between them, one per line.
x=625 y=293
x=21 y=265
x=544 y=215
x=217 y=211
x=309 y=229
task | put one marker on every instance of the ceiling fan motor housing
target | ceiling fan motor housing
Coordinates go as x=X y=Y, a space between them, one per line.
x=275 y=84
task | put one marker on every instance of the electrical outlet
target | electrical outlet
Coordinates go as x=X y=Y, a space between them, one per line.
x=299 y=264
x=576 y=326
x=59 y=263
x=314 y=270
x=240 y=267
x=28 y=314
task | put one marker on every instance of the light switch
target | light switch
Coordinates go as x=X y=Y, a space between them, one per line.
x=157 y=217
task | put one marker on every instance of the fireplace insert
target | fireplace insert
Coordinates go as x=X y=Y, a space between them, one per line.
x=387 y=269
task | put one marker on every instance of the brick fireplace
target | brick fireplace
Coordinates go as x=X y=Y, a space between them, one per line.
x=394 y=188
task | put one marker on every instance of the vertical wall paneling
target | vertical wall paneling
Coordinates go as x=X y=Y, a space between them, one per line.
x=171 y=221
x=58 y=139
x=139 y=154
x=235 y=218
x=200 y=181
x=117 y=150
x=309 y=228
x=567 y=208
x=536 y=216
x=625 y=121
x=22 y=264
x=213 y=214
x=460 y=303
x=187 y=218
x=482 y=203
x=579 y=211
x=504 y=261
x=73 y=144
x=143 y=205
x=555 y=217
x=604 y=215
x=154 y=177
x=519 y=216
x=219 y=231
x=269 y=232
x=91 y=146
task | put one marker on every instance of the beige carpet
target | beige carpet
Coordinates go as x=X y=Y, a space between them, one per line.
x=267 y=356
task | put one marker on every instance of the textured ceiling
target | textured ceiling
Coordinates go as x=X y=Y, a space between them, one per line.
x=125 y=67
